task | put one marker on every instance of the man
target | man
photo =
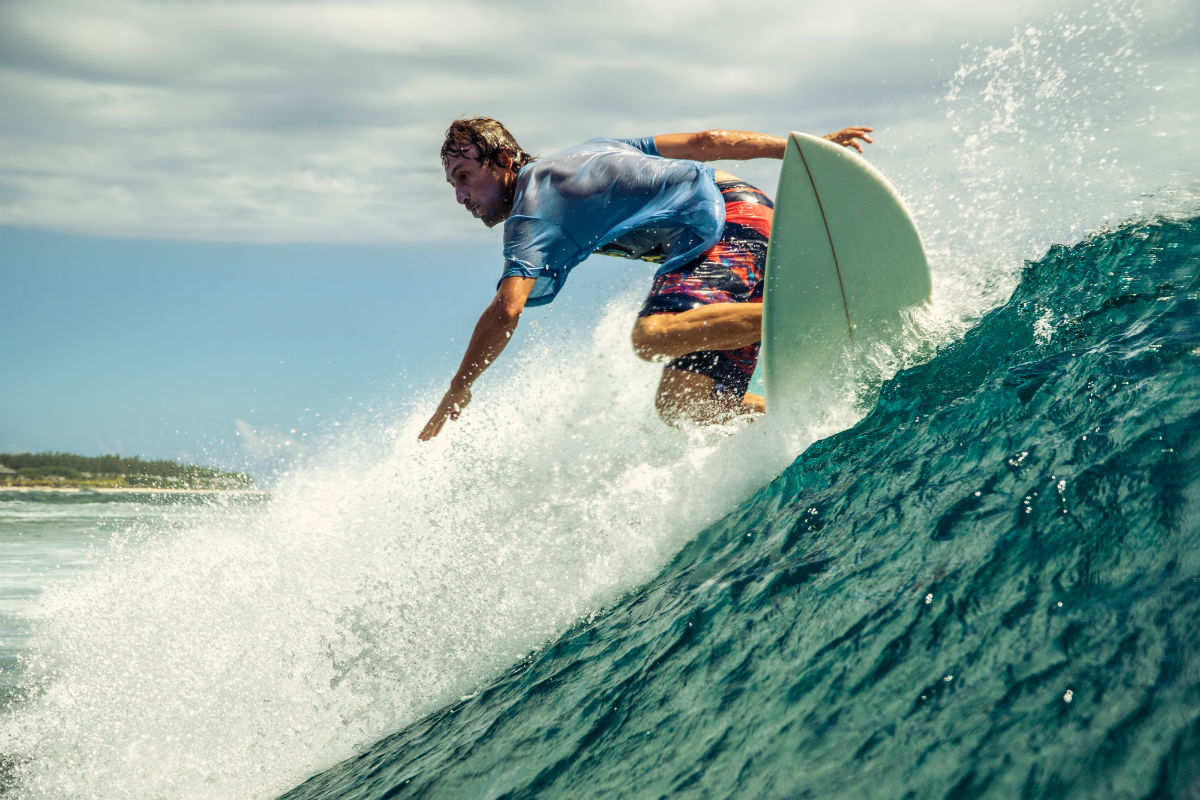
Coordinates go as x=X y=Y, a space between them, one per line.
x=647 y=198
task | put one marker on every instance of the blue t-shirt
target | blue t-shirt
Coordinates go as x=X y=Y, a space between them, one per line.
x=614 y=195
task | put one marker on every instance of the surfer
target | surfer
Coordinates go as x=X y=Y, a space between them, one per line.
x=649 y=199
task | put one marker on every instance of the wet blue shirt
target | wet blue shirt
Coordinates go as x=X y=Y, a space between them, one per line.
x=616 y=196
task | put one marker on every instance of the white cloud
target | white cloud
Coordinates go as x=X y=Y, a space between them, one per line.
x=322 y=120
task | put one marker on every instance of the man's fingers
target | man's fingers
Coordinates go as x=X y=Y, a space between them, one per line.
x=849 y=137
x=432 y=429
x=449 y=408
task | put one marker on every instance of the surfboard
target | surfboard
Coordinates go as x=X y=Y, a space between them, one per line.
x=844 y=263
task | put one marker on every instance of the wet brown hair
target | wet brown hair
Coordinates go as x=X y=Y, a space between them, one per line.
x=487 y=136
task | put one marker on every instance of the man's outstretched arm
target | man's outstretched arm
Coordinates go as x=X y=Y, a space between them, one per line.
x=720 y=145
x=492 y=332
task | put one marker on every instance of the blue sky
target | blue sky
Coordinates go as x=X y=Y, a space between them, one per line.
x=222 y=223
x=124 y=342
x=219 y=351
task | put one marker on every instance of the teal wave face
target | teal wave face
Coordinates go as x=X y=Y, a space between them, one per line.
x=989 y=587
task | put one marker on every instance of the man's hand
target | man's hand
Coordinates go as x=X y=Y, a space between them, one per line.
x=453 y=402
x=491 y=334
x=848 y=137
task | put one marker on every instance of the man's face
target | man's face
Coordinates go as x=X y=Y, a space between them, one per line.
x=485 y=189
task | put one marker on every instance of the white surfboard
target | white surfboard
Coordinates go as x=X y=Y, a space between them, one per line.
x=844 y=262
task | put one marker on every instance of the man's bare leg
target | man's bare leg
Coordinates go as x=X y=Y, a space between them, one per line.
x=688 y=397
x=719 y=326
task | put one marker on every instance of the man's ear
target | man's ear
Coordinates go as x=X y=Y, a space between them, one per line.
x=504 y=159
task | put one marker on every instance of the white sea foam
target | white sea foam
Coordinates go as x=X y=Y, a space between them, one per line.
x=1070 y=127
x=230 y=658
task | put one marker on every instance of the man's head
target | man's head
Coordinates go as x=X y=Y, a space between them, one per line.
x=481 y=159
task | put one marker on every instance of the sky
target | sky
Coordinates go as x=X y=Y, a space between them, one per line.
x=224 y=228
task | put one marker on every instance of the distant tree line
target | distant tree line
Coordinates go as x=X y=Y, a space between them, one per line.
x=116 y=470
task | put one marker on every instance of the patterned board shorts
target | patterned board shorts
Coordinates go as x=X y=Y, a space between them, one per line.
x=730 y=271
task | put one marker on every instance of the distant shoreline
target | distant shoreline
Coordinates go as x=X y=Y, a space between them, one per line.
x=68 y=471
x=123 y=490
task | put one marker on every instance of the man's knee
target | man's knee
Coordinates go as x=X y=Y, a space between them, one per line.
x=679 y=411
x=686 y=398
x=646 y=337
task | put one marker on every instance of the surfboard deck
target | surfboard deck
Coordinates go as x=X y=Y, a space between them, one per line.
x=843 y=264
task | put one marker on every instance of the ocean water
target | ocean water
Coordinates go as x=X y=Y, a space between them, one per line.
x=49 y=536
x=990 y=586
x=987 y=586
x=975 y=573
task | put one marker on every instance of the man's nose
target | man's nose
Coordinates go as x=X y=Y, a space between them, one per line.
x=460 y=194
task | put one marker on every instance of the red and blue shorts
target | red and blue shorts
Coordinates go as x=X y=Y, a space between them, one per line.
x=731 y=271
